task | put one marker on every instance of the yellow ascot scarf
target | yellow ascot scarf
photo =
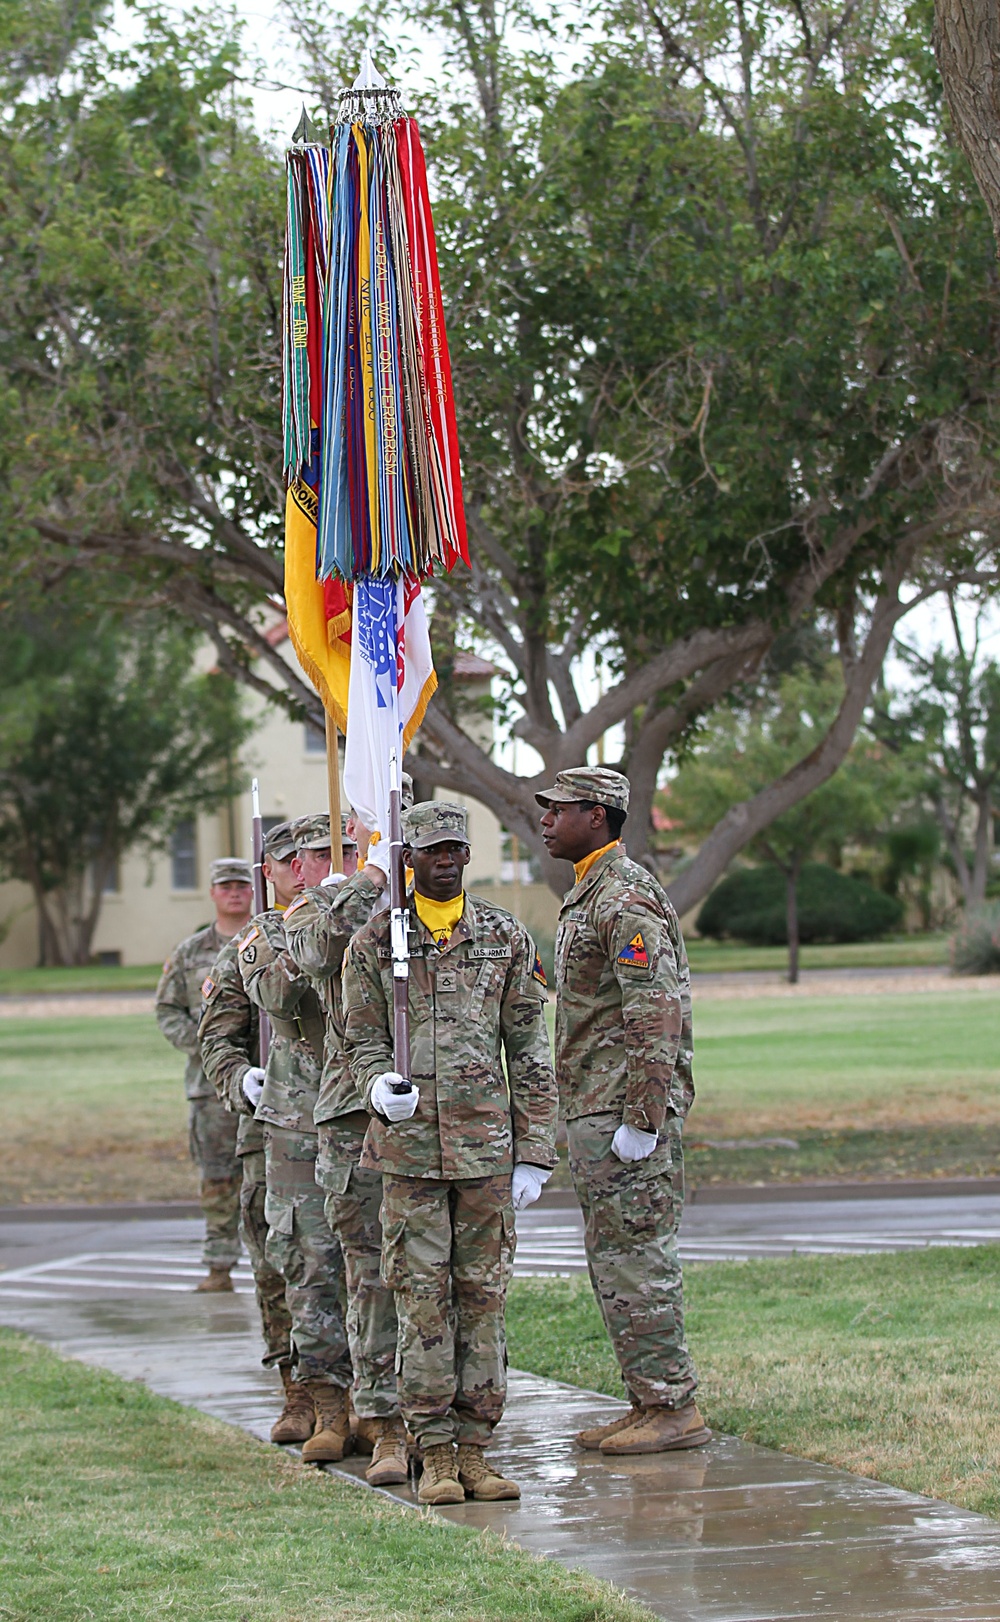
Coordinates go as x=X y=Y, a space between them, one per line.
x=440 y=917
x=581 y=869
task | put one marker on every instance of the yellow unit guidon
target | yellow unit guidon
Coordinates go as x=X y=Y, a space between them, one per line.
x=635 y=952
x=538 y=973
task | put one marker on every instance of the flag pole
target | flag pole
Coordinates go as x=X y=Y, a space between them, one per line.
x=333 y=789
x=259 y=900
x=399 y=924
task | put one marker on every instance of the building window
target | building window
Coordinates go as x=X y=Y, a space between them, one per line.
x=184 y=856
x=113 y=880
x=517 y=864
x=315 y=739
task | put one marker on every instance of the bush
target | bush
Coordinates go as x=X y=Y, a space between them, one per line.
x=749 y=906
x=975 y=945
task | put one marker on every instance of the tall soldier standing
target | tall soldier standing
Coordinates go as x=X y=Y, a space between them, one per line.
x=623 y=1062
x=299 y=1241
x=459 y=1150
x=211 y=1128
x=229 y=1037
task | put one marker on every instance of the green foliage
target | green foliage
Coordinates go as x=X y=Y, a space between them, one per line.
x=749 y=906
x=107 y=739
x=975 y=947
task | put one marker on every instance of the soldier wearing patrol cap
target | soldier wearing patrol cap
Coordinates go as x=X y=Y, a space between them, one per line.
x=459 y=1149
x=211 y=1129
x=229 y=1037
x=299 y=1242
x=623 y=1063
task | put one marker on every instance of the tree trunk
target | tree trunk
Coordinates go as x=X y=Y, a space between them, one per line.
x=792 y=921
x=967 y=44
x=983 y=843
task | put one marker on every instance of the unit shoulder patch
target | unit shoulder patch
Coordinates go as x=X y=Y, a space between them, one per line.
x=538 y=973
x=634 y=954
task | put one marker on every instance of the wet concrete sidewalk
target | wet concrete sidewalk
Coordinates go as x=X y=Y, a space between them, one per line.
x=730 y=1533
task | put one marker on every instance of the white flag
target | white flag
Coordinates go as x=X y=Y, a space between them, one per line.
x=392 y=680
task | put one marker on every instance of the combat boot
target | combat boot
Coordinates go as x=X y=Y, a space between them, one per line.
x=216 y=1282
x=365 y=1433
x=390 y=1465
x=331 y=1438
x=479 y=1479
x=660 y=1430
x=439 y=1483
x=297 y=1419
x=596 y=1434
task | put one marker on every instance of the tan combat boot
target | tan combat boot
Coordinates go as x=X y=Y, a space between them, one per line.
x=480 y=1480
x=596 y=1434
x=365 y=1433
x=439 y=1483
x=297 y=1419
x=216 y=1282
x=331 y=1438
x=660 y=1430
x=390 y=1465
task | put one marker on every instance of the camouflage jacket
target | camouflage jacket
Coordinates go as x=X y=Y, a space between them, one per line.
x=623 y=999
x=178 y=1002
x=229 y=1035
x=473 y=1004
x=318 y=928
x=277 y=985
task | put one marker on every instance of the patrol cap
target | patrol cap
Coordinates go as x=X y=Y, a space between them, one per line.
x=279 y=841
x=594 y=783
x=312 y=832
x=230 y=870
x=432 y=822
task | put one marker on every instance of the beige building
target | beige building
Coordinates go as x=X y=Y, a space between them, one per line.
x=156 y=901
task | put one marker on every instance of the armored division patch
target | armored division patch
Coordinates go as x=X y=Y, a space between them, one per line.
x=635 y=953
x=538 y=973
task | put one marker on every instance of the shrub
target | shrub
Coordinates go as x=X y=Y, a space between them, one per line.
x=975 y=945
x=749 y=906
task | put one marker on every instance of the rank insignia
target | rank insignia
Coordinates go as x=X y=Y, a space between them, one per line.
x=635 y=952
x=538 y=973
x=207 y=987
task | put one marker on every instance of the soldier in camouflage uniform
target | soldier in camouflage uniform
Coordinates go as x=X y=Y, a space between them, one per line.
x=459 y=1149
x=318 y=928
x=211 y=1128
x=229 y=1038
x=299 y=1241
x=623 y=1061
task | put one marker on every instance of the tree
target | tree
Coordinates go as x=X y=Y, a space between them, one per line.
x=747 y=749
x=967 y=43
x=723 y=342
x=107 y=740
x=949 y=724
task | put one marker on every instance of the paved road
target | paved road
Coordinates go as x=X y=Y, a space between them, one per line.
x=44 y=1257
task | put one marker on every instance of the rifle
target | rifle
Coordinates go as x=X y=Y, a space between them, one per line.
x=399 y=924
x=260 y=901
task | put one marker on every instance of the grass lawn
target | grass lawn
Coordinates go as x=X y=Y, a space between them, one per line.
x=884 y=1365
x=29 y=982
x=118 y=1504
x=93 y=1109
x=869 y=1086
x=900 y=951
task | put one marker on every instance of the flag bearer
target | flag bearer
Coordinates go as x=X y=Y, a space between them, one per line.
x=211 y=1128
x=623 y=1061
x=229 y=1038
x=299 y=1242
x=457 y=1151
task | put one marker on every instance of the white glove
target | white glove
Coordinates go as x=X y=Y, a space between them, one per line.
x=333 y=878
x=253 y=1085
x=378 y=856
x=394 y=1106
x=527 y=1183
x=630 y=1144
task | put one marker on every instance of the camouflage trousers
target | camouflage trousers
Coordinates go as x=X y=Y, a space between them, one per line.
x=353 y=1199
x=302 y=1249
x=631 y=1214
x=448 y=1252
x=275 y=1318
x=212 y=1142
